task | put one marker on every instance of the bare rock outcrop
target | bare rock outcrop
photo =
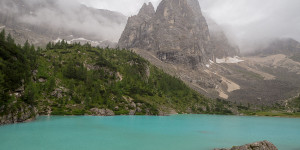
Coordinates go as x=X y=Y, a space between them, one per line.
x=177 y=32
x=102 y=112
x=263 y=145
x=22 y=114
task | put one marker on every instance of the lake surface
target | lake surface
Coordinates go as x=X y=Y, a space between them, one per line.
x=178 y=132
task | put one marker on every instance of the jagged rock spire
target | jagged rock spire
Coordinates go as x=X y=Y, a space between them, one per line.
x=147 y=10
x=177 y=32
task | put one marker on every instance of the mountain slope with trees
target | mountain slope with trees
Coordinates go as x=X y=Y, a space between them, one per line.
x=75 y=79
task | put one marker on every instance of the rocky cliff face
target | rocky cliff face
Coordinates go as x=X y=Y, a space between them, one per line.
x=221 y=46
x=177 y=39
x=177 y=32
x=263 y=145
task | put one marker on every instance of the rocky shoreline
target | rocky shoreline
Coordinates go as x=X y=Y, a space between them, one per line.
x=262 y=145
x=12 y=118
x=24 y=113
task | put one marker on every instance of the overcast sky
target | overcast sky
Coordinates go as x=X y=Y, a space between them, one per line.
x=246 y=21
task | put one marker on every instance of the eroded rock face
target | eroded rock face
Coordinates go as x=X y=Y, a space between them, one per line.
x=177 y=32
x=263 y=145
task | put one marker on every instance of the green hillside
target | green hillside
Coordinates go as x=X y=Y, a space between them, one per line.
x=75 y=79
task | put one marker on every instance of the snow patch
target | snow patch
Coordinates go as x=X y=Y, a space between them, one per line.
x=79 y=39
x=82 y=40
x=57 y=40
x=229 y=60
x=93 y=43
x=207 y=65
x=211 y=61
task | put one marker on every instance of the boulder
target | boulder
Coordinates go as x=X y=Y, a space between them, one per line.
x=20 y=89
x=132 y=112
x=133 y=105
x=58 y=92
x=263 y=145
x=102 y=112
x=138 y=109
x=42 y=80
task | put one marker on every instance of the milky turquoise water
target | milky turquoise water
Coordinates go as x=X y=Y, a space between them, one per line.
x=178 y=132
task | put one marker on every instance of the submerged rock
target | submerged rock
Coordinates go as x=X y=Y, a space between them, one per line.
x=263 y=145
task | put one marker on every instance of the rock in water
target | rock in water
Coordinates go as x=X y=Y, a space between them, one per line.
x=263 y=145
x=177 y=32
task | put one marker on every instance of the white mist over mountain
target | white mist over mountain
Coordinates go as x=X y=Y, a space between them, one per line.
x=63 y=16
x=255 y=22
x=127 y=7
x=246 y=22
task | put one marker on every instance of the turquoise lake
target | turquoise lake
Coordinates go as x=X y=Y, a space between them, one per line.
x=178 y=132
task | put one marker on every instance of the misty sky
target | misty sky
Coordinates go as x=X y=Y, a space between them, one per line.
x=245 y=21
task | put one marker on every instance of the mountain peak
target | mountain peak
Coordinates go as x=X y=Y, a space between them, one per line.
x=180 y=6
x=147 y=10
x=177 y=32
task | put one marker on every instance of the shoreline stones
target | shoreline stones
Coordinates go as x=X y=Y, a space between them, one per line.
x=263 y=145
x=102 y=112
x=24 y=114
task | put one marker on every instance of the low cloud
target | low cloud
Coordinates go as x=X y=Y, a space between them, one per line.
x=248 y=23
x=70 y=16
x=127 y=7
x=253 y=23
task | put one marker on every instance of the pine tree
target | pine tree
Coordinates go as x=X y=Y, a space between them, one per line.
x=51 y=84
x=26 y=46
x=63 y=44
x=30 y=94
x=9 y=39
x=32 y=56
x=2 y=35
x=49 y=46
x=2 y=89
